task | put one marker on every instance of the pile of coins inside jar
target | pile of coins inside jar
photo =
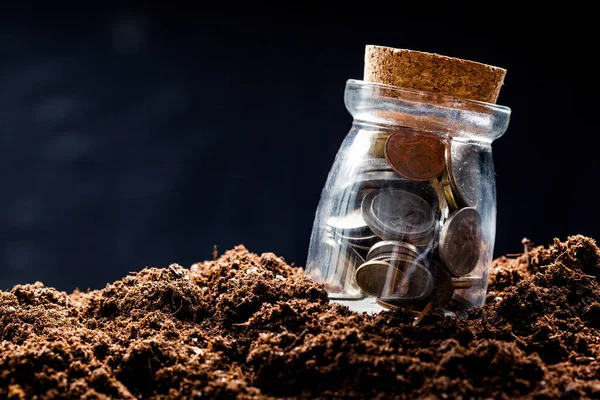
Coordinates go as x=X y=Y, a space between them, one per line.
x=408 y=230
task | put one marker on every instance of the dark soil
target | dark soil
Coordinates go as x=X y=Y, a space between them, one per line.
x=251 y=326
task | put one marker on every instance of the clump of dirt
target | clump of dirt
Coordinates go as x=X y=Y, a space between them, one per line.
x=249 y=326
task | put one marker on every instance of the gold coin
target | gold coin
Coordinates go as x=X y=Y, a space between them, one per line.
x=448 y=193
x=466 y=282
x=377 y=144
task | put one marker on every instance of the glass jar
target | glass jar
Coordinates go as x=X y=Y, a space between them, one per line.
x=407 y=216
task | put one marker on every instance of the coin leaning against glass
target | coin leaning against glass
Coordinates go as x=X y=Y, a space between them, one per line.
x=448 y=191
x=370 y=143
x=464 y=172
x=399 y=278
x=460 y=241
x=415 y=155
x=440 y=296
x=377 y=147
x=388 y=248
x=372 y=164
x=351 y=226
x=467 y=282
x=396 y=214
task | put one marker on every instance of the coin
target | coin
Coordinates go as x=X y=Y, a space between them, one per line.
x=351 y=230
x=466 y=282
x=464 y=172
x=460 y=241
x=370 y=143
x=356 y=190
x=373 y=164
x=377 y=147
x=396 y=214
x=391 y=305
x=400 y=278
x=415 y=155
x=440 y=296
x=448 y=192
x=377 y=277
x=386 y=248
x=350 y=226
x=441 y=199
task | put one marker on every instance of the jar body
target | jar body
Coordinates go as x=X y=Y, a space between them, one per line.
x=407 y=215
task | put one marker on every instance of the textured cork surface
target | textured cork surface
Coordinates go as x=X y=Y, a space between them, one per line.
x=433 y=73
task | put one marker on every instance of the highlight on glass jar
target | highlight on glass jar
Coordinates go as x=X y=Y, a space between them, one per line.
x=408 y=212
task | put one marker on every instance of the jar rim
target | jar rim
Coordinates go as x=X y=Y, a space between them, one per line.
x=448 y=100
x=387 y=106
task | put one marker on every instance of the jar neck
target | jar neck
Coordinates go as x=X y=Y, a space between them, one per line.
x=390 y=106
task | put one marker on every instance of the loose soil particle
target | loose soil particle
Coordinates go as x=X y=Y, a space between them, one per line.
x=250 y=326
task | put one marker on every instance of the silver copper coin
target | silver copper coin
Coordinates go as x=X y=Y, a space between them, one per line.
x=396 y=214
x=365 y=183
x=364 y=241
x=386 y=248
x=464 y=173
x=441 y=294
x=349 y=226
x=401 y=278
x=460 y=241
x=352 y=231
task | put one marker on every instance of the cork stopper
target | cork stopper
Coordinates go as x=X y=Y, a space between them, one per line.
x=433 y=73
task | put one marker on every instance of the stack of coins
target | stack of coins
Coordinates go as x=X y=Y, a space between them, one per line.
x=410 y=232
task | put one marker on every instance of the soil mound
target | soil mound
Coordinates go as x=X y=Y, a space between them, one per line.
x=250 y=326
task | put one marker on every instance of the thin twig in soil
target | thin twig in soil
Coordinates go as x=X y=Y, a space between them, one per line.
x=561 y=255
x=560 y=264
x=180 y=305
x=423 y=313
x=179 y=309
x=296 y=340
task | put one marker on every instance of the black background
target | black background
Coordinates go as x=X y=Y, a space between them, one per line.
x=145 y=135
